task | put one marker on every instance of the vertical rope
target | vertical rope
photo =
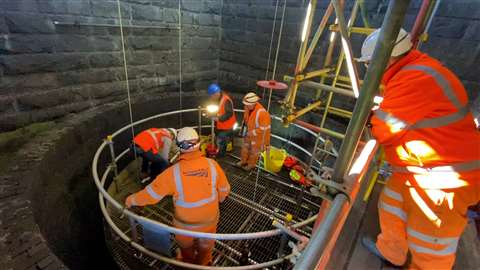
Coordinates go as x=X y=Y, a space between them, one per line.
x=271 y=45
x=180 y=54
x=127 y=83
x=276 y=53
x=273 y=77
x=220 y=36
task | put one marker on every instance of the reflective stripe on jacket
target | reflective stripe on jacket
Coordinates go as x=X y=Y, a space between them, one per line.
x=196 y=183
x=152 y=139
x=228 y=123
x=424 y=120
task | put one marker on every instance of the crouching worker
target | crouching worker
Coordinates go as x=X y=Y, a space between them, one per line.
x=197 y=185
x=153 y=146
x=257 y=136
x=225 y=118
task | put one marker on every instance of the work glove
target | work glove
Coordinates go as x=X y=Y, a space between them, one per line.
x=129 y=201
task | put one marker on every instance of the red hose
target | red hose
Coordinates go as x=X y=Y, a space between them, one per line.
x=417 y=28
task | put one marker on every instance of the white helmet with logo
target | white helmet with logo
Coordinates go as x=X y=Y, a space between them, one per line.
x=402 y=45
x=250 y=99
x=187 y=139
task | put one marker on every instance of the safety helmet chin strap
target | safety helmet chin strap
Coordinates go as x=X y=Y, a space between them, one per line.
x=188 y=146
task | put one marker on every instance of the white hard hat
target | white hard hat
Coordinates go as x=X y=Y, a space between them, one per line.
x=250 y=99
x=187 y=139
x=173 y=131
x=402 y=45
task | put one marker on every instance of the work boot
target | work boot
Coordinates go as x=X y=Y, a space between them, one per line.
x=240 y=164
x=248 y=168
x=370 y=245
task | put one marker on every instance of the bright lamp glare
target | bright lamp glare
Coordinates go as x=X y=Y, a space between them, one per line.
x=305 y=24
x=212 y=108
x=235 y=126
x=351 y=70
x=362 y=159
x=477 y=123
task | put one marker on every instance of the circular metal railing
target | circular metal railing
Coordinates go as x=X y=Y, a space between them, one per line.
x=104 y=196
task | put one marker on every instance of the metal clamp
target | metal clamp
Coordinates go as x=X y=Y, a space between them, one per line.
x=325 y=179
x=297 y=248
x=302 y=239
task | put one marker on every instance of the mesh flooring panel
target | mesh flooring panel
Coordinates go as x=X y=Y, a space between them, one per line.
x=251 y=207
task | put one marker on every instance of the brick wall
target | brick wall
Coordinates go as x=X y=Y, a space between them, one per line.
x=49 y=70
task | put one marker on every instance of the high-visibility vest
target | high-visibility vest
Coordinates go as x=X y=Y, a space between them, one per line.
x=151 y=139
x=254 y=119
x=230 y=122
x=196 y=183
x=424 y=122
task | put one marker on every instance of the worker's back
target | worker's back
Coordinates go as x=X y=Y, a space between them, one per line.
x=418 y=90
x=196 y=183
x=152 y=139
x=196 y=180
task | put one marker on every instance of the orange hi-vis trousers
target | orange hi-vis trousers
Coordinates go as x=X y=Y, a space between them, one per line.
x=251 y=149
x=426 y=221
x=196 y=250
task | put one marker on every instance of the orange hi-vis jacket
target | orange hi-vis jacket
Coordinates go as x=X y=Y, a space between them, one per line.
x=152 y=139
x=424 y=122
x=196 y=183
x=230 y=122
x=258 y=122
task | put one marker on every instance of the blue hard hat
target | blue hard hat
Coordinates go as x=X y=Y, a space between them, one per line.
x=213 y=89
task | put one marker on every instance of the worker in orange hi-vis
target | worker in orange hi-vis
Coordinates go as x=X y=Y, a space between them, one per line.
x=256 y=139
x=225 y=119
x=197 y=185
x=430 y=140
x=153 y=146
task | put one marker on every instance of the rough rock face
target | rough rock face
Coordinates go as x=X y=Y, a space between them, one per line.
x=50 y=69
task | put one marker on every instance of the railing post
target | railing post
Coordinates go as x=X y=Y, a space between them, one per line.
x=199 y=121
x=133 y=228
x=113 y=163
x=213 y=131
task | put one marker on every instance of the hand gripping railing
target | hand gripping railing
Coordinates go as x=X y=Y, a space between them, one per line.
x=104 y=196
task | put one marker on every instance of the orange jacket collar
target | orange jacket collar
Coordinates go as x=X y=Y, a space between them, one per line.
x=191 y=155
x=392 y=70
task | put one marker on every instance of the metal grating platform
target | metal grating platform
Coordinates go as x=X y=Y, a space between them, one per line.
x=251 y=207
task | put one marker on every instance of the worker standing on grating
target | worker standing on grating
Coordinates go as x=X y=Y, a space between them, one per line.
x=153 y=145
x=226 y=119
x=257 y=136
x=429 y=138
x=197 y=185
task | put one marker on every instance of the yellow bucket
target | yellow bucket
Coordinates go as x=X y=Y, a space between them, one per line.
x=203 y=146
x=274 y=161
